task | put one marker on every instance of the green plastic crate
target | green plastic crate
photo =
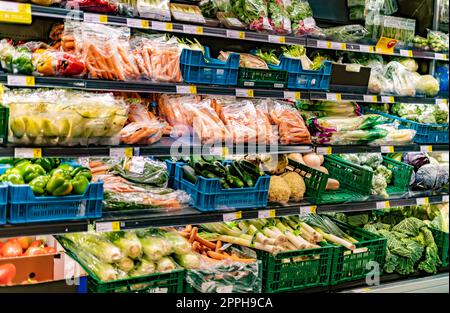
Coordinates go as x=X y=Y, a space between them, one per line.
x=401 y=175
x=250 y=77
x=348 y=265
x=441 y=240
x=355 y=181
x=170 y=282
x=296 y=270
x=4 y=117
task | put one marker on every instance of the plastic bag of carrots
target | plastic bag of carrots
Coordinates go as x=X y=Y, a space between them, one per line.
x=106 y=52
x=174 y=109
x=291 y=126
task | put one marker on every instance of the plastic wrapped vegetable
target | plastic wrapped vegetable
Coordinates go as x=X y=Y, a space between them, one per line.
x=432 y=176
x=179 y=244
x=437 y=41
x=155 y=247
x=98 y=6
x=402 y=79
x=253 y=12
x=189 y=260
x=96 y=245
x=56 y=63
x=128 y=243
x=347 y=33
x=427 y=85
x=279 y=16
x=165 y=264
x=142 y=170
x=154 y=9
x=301 y=17
x=16 y=60
x=209 y=8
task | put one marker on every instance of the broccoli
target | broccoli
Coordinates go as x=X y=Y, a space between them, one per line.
x=371 y=159
x=387 y=173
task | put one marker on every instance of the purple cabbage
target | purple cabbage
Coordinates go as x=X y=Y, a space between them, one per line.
x=416 y=159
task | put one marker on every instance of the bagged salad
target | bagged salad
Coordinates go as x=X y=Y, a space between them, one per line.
x=279 y=16
x=301 y=17
x=255 y=13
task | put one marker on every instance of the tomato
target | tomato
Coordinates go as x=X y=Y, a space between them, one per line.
x=34 y=251
x=7 y=273
x=24 y=242
x=36 y=243
x=11 y=249
x=50 y=250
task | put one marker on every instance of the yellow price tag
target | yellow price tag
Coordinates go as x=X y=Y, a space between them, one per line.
x=115 y=226
x=199 y=30
x=103 y=19
x=406 y=53
x=426 y=148
x=324 y=150
x=267 y=214
x=228 y=217
x=186 y=89
x=18 y=13
x=383 y=205
x=37 y=153
x=387 y=149
x=386 y=45
x=241 y=35
x=423 y=201
x=329 y=44
x=238 y=215
x=145 y=24
x=128 y=152
x=1 y=92
x=169 y=27
x=193 y=90
x=29 y=81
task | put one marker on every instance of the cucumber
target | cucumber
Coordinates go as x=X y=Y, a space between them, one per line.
x=233 y=180
x=198 y=167
x=208 y=174
x=224 y=183
x=214 y=169
x=246 y=177
x=220 y=165
x=251 y=168
x=189 y=174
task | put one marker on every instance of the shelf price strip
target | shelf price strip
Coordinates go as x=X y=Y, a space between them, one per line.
x=163 y=26
x=95 y=18
x=121 y=152
x=193 y=29
x=20 y=80
x=387 y=149
x=228 y=217
x=27 y=152
x=107 y=226
x=138 y=23
x=187 y=89
x=267 y=214
x=383 y=205
x=324 y=150
x=310 y=209
x=423 y=201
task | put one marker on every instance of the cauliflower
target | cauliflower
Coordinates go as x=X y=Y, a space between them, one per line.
x=279 y=190
x=352 y=158
x=379 y=186
x=387 y=173
x=296 y=185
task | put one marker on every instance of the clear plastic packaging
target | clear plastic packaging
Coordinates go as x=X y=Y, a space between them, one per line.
x=187 y=13
x=154 y=9
x=437 y=41
x=347 y=33
x=402 y=80
x=16 y=60
x=402 y=29
x=279 y=17
x=98 y=6
x=229 y=20
x=174 y=109
x=254 y=13
x=165 y=61
x=56 y=63
x=301 y=17
x=291 y=127
x=64 y=117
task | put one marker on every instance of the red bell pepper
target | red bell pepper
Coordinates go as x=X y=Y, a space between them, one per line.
x=69 y=65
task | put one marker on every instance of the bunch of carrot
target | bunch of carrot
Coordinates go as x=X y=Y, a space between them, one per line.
x=208 y=248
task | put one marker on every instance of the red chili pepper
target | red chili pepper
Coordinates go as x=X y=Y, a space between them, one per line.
x=392 y=43
x=69 y=66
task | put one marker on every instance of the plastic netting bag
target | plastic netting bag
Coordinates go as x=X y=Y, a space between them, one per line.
x=301 y=17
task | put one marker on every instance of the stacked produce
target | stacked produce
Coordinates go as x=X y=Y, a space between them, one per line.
x=7 y=274
x=24 y=246
x=64 y=117
x=47 y=177
x=420 y=113
x=369 y=129
x=187 y=13
x=135 y=184
x=429 y=173
x=435 y=41
x=382 y=176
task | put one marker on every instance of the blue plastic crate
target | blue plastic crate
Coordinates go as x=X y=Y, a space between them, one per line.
x=172 y=183
x=298 y=78
x=425 y=133
x=3 y=202
x=199 y=68
x=25 y=207
x=208 y=195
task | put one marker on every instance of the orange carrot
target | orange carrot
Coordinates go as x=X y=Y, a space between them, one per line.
x=204 y=242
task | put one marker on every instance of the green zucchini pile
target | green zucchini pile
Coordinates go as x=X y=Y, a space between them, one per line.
x=234 y=174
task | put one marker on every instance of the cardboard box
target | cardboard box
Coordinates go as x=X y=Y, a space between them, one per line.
x=38 y=268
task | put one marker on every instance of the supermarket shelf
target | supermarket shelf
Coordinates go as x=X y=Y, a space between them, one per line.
x=151 y=218
x=61 y=13
x=169 y=147
x=156 y=87
x=367 y=48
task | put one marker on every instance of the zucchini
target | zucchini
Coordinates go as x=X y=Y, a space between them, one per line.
x=214 y=169
x=246 y=177
x=208 y=158
x=208 y=174
x=220 y=165
x=189 y=174
x=233 y=180
x=224 y=183
x=251 y=168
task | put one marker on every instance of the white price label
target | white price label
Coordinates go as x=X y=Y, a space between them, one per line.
x=360 y=250
x=426 y=148
x=187 y=89
x=323 y=44
x=277 y=39
x=387 y=149
x=445 y=198
x=445 y=156
x=324 y=150
x=228 y=217
x=387 y=99
x=20 y=80
x=364 y=48
x=310 y=209
x=338 y=46
x=107 y=226
x=334 y=96
x=422 y=201
x=138 y=23
x=383 y=205
x=406 y=53
x=193 y=29
x=235 y=34
x=163 y=26
x=244 y=93
x=121 y=152
x=267 y=214
x=440 y=56
x=158 y=290
x=441 y=101
x=292 y=95
x=370 y=98
x=95 y=18
x=27 y=152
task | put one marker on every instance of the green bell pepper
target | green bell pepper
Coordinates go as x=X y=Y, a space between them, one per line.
x=46 y=163
x=83 y=171
x=22 y=61
x=15 y=179
x=66 y=167
x=59 y=185
x=31 y=171
x=21 y=165
x=38 y=185
x=80 y=184
x=3 y=177
x=60 y=171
